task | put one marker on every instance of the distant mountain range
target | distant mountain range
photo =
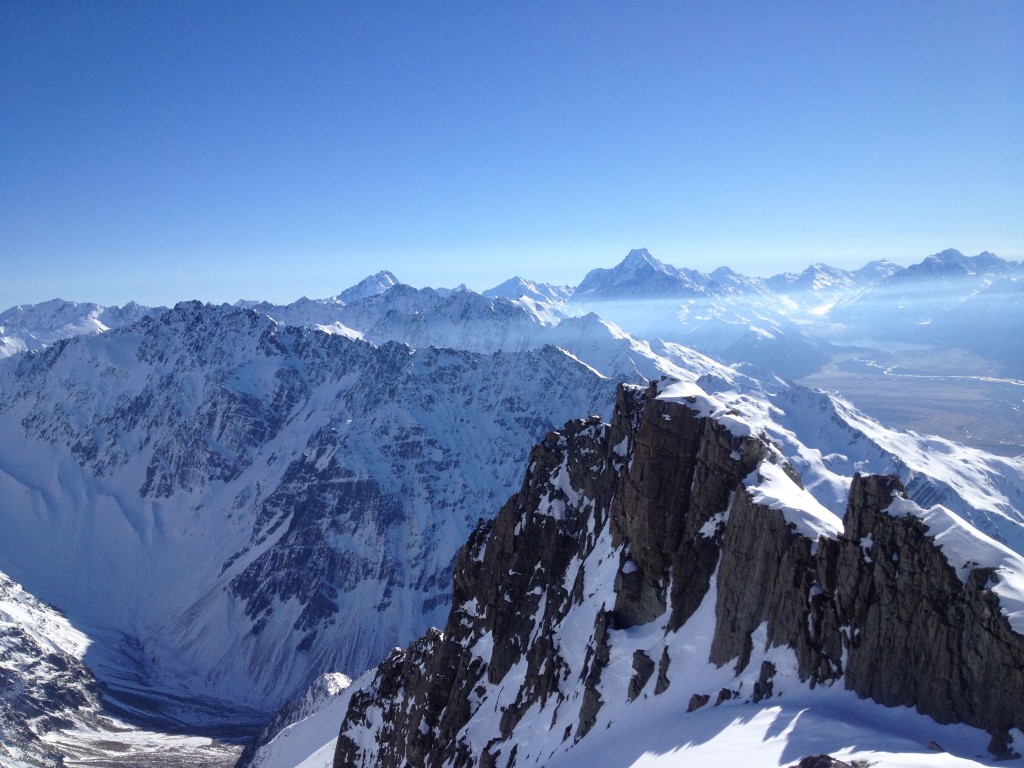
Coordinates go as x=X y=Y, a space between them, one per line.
x=787 y=324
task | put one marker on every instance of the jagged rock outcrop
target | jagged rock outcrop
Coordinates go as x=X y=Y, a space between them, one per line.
x=674 y=528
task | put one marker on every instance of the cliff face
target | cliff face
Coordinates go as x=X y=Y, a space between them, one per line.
x=672 y=533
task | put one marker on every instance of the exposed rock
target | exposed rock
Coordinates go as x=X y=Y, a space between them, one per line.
x=725 y=695
x=644 y=668
x=918 y=636
x=683 y=473
x=763 y=687
x=697 y=701
x=820 y=761
x=662 y=684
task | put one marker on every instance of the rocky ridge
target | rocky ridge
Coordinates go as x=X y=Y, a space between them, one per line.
x=673 y=528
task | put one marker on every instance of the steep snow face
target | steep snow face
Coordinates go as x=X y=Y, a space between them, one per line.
x=39 y=325
x=231 y=506
x=876 y=270
x=517 y=287
x=546 y=302
x=828 y=440
x=374 y=285
x=303 y=733
x=382 y=311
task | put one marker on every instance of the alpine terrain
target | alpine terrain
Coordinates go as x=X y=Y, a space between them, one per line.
x=752 y=532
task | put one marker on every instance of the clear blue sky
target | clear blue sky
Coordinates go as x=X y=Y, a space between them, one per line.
x=159 y=151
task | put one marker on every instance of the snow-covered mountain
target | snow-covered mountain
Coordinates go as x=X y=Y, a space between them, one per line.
x=639 y=276
x=731 y=317
x=782 y=324
x=234 y=506
x=37 y=326
x=661 y=580
x=903 y=305
x=516 y=288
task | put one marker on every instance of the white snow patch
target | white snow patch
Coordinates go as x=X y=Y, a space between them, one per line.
x=694 y=397
x=771 y=486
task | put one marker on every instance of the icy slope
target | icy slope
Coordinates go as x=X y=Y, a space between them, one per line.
x=828 y=441
x=667 y=569
x=231 y=506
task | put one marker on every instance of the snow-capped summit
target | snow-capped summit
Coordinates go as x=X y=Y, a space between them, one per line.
x=951 y=264
x=876 y=270
x=639 y=258
x=369 y=286
x=638 y=276
x=903 y=305
x=815 y=279
x=518 y=287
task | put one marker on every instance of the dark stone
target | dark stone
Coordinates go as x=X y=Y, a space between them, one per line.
x=820 y=761
x=661 y=685
x=725 y=695
x=697 y=701
x=643 y=668
x=764 y=685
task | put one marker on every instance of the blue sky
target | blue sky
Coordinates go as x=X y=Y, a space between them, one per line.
x=160 y=151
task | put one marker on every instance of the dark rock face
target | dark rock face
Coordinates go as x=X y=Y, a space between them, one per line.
x=657 y=502
x=821 y=761
x=917 y=635
x=505 y=583
x=683 y=473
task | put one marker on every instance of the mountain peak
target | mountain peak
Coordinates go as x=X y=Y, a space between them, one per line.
x=949 y=256
x=373 y=285
x=639 y=258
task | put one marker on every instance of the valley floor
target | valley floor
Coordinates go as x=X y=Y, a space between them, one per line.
x=144 y=749
x=949 y=393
